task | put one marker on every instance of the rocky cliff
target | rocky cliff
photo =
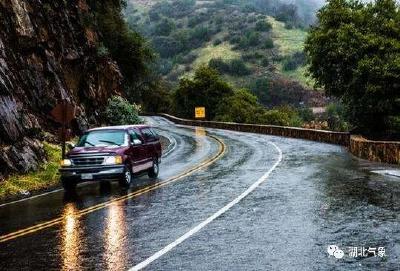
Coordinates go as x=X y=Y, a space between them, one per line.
x=47 y=53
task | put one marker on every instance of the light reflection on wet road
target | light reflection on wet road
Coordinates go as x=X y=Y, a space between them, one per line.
x=319 y=195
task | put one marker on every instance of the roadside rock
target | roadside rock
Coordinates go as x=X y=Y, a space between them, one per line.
x=47 y=53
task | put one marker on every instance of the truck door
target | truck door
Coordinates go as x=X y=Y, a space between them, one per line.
x=137 y=151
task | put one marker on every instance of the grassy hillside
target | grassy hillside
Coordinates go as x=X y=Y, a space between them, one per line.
x=243 y=44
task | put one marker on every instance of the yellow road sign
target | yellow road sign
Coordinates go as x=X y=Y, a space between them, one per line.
x=200 y=112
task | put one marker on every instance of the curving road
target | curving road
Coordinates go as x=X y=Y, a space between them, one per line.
x=224 y=201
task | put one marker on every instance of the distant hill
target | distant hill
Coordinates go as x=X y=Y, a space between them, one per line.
x=243 y=40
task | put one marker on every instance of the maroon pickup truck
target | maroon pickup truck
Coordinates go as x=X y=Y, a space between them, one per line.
x=112 y=153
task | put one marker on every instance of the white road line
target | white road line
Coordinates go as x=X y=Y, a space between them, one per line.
x=40 y=195
x=196 y=229
x=173 y=142
x=33 y=197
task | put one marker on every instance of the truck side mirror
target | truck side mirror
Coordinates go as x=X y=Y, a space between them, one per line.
x=136 y=142
x=70 y=145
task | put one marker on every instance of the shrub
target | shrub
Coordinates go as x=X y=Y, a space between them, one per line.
x=251 y=39
x=219 y=64
x=336 y=115
x=167 y=46
x=199 y=35
x=237 y=67
x=306 y=114
x=265 y=62
x=197 y=19
x=120 y=112
x=164 y=28
x=232 y=67
x=102 y=51
x=263 y=26
x=165 y=66
x=282 y=116
x=275 y=117
x=252 y=19
x=189 y=58
x=217 y=42
x=268 y=43
x=294 y=61
x=235 y=39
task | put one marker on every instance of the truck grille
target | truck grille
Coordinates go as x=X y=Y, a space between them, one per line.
x=88 y=161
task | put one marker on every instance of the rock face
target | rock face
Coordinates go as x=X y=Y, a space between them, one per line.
x=47 y=54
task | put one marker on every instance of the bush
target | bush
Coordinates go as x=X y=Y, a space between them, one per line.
x=263 y=26
x=275 y=117
x=306 y=114
x=217 y=42
x=237 y=67
x=336 y=116
x=252 y=19
x=188 y=58
x=294 y=61
x=164 y=28
x=251 y=39
x=167 y=46
x=102 y=51
x=232 y=67
x=120 y=112
x=268 y=44
x=198 y=36
x=197 y=19
x=265 y=62
x=165 y=66
x=234 y=39
x=219 y=64
x=282 y=116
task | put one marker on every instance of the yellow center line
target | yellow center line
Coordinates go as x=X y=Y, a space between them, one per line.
x=83 y=212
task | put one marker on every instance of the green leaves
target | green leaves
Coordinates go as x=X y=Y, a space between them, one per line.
x=353 y=53
x=205 y=89
x=120 y=112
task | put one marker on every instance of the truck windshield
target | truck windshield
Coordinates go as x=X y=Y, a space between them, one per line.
x=103 y=138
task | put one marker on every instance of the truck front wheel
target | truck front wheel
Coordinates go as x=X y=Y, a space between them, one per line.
x=126 y=178
x=69 y=186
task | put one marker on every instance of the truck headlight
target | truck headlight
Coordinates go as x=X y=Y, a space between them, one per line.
x=113 y=160
x=66 y=163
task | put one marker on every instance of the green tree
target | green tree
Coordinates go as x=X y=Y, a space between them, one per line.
x=165 y=27
x=205 y=89
x=241 y=107
x=120 y=112
x=354 y=53
x=128 y=48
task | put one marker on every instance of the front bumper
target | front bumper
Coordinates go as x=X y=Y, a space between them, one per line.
x=97 y=173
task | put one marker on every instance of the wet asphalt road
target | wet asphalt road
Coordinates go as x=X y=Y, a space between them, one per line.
x=317 y=196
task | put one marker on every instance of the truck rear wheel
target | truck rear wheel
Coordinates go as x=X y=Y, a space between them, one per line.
x=153 y=171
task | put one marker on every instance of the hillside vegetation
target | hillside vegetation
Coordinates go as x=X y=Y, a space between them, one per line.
x=243 y=42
